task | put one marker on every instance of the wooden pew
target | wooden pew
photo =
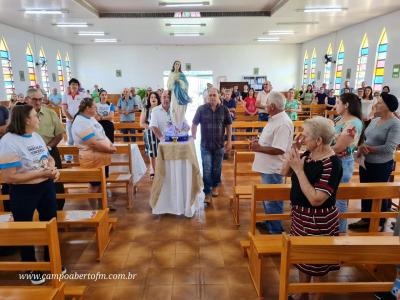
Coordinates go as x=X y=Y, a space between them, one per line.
x=261 y=245
x=115 y=179
x=99 y=219
x=352 y=250
x=32 y=234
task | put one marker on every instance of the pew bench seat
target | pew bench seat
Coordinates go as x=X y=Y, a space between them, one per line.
x=76 y=292
x=31 y=293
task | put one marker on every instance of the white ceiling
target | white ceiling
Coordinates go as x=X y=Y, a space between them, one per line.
x=219 y=30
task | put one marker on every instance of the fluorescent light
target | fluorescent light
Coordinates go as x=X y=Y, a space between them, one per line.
x=72 y=24
x=280 y=32
x=268 y=39
x=105 y=40
x=45 y=11
x=298 y=23
x=187 y=34
x=184 y=4
x=91 y=33
x=185 y=25
x=321 y=9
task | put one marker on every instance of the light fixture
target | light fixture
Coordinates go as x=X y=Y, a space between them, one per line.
x=186 y=34
x=184 y=4
x=91 y=33
x=45 y=11
x=79 y=24
x=185 y=25
x=321 y=9
x=105 y=40
x=268 y=39
x=280 y=32
x=297 y=23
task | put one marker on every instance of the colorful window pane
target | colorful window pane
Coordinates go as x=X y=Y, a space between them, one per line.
x=305 y=68
x=60 y=72
x=362 y=62
x=68 y=67
x=8 y=77
x=31 y=65
x=44 y=72
x=328 y=66
x=381 y=52
x=313 y=65
x=339 y=68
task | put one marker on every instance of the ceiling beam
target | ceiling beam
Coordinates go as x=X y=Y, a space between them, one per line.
x=86 y=5
x=204 y=14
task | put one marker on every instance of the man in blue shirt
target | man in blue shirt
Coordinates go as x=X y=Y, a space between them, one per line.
x=55 y=98
x=127 y=107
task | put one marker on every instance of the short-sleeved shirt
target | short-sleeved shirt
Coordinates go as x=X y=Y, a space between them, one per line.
x=324 y=175
x=26 y=152
x=262 y=97
x=128 y=105
x=84 y=129
x=55 y=99
x=160 y=118
x=366 y=108
x=104 y=109
x=4 y=115
x=278 y=133
x=332 y=100
x=231 y=103
x=73 y=102
x=138 y=100
x=308 y=98
x=50 y=125
x=352 y=128
x=292 y=104
x=213 y=125
x=321 y=98
x=251 y=104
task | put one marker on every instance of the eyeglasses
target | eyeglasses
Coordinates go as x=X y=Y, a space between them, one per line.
x=36 y=99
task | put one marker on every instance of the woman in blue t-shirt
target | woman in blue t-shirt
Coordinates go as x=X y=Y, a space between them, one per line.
x=30 y=171
x=105 y=115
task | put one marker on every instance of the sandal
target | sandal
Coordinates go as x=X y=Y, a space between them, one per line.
x=151 y=176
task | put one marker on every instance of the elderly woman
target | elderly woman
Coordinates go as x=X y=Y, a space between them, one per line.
x=381 y=139
x=315 y=175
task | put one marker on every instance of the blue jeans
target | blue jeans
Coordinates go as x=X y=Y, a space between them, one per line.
x=128 y=139
x=70 y=140
x=212 y=167
x=273 y=207
x=348 y=168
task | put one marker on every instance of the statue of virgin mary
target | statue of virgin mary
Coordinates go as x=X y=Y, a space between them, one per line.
x=178 y=85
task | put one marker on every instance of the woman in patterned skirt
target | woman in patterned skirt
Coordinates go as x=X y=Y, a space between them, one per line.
x=315 y=177
x=150 y=139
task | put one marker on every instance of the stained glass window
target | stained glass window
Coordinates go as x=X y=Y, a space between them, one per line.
x=68 y=67
x=31 y=65
x=60 y=71
x=305 y=68
x=362 y=62
x=44 y=72
x=313 y=65
x=7 y=69
x=339 y=68
x=381 y=52
x=328 y=66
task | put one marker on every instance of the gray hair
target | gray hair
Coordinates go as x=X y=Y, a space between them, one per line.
x=277 y=99
x=31 y=91
x=213 y=89
x=321 y=127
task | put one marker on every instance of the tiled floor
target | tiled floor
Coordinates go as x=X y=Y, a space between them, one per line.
x=175 y=257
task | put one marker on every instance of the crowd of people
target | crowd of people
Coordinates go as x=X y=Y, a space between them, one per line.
x=366 y=130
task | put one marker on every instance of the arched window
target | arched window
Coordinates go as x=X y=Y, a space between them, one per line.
x=362 y=62
x=7 y=69
x=305 y=68
x=328 y=66
x=31 y=65
x=313 y=65
x=60 y=71
x=339 y=68
x=68 y=67
x=381 y=52
x=44 y=72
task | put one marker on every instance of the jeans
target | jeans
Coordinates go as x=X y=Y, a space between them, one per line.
x=376 y=173
x=70 y=140
x=212 y=167
x=24 y=199
x=273 y=207
x=262 y=117
x=348 y=168
x=128 y=139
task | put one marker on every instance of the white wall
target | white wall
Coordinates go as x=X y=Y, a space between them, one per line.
x=143 y=66
x=17 y=41
x=352 y=37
